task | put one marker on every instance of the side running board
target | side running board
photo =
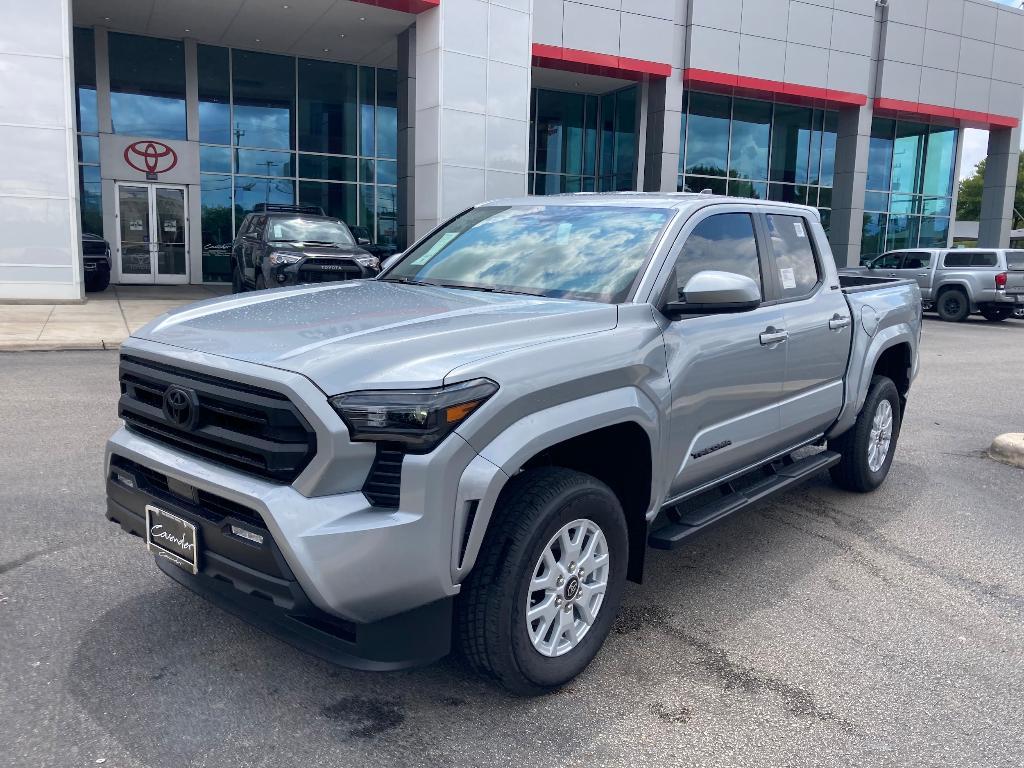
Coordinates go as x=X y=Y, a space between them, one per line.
x=685 y=522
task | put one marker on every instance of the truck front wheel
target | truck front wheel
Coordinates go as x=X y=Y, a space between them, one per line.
x=867 y=448
x=548 y=581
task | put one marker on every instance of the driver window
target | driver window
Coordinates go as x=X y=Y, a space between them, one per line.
x=723 y=242
x=888 y=261
x=917 y=261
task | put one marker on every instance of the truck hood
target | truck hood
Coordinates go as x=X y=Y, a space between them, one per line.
x=369 y=334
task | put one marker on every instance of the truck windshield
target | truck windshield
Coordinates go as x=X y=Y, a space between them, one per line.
x=562 y=251
x=1015 y=260
x=308 y=231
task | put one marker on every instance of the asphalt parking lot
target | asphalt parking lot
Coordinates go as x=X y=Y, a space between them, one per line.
x=820 y=628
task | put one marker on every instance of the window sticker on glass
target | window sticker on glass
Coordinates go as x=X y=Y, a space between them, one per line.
x=563 y=232
x=442 y=241
x=788 y=278
x=799 y=228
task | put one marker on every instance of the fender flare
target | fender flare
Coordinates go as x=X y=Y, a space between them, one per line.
x=884 y=340
x=505 y=455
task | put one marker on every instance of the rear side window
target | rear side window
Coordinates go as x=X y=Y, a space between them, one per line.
x=1015 y=260
x=917 y=260
x=970 y=260
x=794 y=255
x=723 y=242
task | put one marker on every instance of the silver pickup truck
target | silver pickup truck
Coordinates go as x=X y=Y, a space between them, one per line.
x=478 y=446
x=959 y=281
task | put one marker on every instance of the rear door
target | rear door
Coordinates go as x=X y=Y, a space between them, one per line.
x=817 y=319
x=917 y=265
x=726 y=370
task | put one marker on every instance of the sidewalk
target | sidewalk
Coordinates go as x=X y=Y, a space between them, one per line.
x=102 y=322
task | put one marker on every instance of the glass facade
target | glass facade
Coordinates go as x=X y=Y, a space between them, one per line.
x=276 y=129
x=90 y=190
x=582 y=143
x=147 y=86
x=909 y=186
x=760 y=149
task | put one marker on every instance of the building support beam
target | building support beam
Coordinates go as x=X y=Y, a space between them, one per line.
x=472 y=107
x=406 y=138
x=664 y=121
x=851 y=173
x=999 y=187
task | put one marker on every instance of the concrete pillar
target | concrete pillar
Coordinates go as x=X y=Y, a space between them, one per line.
x=664 y=121
x=40 y=250
x=851 y=173
x=406 y=138
x=998 y=191
x=101 y=44
x=473 y=61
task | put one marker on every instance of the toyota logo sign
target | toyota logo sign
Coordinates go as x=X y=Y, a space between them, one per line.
x=150 y=157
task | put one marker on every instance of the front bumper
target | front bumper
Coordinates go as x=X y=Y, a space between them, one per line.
x=253 y=580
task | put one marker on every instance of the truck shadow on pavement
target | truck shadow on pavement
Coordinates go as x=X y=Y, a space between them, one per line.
x=174 y=679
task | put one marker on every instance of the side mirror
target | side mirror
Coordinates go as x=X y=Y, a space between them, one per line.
x=711 y=292
x=390 y=261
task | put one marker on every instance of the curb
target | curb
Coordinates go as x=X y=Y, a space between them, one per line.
x=1009 y=449
x=58 y=346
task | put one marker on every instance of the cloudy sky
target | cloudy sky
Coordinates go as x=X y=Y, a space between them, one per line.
x=976 y=142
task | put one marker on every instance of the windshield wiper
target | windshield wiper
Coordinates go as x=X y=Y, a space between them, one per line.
x=490 y=289
x=409 y=281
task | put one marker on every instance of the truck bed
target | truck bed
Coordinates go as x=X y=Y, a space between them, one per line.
x=852 y=283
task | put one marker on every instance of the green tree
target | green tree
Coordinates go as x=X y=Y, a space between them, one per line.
x=968 y=204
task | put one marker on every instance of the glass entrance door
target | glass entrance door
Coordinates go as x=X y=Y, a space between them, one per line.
x=152 y=233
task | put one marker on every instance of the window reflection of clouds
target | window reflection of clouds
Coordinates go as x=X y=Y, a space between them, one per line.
x=576 y=251
x=792 y=248
x=724 y=242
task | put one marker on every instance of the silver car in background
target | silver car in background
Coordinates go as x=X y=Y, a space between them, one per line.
x=956 y=282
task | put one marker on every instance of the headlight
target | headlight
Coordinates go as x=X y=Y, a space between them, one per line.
x=368 y=261
x=284 y=258
x=418 y=419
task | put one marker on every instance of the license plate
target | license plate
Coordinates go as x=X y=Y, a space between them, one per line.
x=173 y=538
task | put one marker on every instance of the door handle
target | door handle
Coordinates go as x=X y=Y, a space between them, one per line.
x=892 y=274
x=838 y=321
x=772 y=335
x=922 y=274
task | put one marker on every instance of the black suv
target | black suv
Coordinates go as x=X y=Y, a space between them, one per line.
x=295 y=244
x=95 y=262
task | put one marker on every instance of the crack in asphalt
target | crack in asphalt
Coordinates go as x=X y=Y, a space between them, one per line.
x=17 y=562
x=733 y=675
x=817 y=507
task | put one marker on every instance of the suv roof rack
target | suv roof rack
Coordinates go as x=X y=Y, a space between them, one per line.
x=316 y=210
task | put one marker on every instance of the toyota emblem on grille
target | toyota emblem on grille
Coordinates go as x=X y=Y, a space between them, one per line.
x=181 y=406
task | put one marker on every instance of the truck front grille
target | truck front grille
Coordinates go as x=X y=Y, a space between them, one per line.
x=328 y=270
x=251 y=429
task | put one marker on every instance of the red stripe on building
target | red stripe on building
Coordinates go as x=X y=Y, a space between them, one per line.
x=590 y=63
x=406 y=6
x=968 y=117
x=771 y=89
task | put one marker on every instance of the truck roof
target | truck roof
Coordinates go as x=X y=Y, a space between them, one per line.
x=677 y=200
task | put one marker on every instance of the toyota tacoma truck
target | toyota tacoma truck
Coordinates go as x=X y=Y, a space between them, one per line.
x=476 y=448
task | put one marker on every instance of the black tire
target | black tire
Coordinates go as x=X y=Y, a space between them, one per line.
x=490 y=623
x=953 y=306
x=261 y=283
x=237 y=286
x=853 y=472
x=996 y=314
x=98 y=282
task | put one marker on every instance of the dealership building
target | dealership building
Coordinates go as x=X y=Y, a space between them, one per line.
x=158 y=124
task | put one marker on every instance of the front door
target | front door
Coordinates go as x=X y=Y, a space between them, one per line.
x=152 y=227
x=726 y=370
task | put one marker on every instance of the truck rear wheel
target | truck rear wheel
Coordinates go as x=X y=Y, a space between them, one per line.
x=953 y=306
x=867 y=448
x=547 y=583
